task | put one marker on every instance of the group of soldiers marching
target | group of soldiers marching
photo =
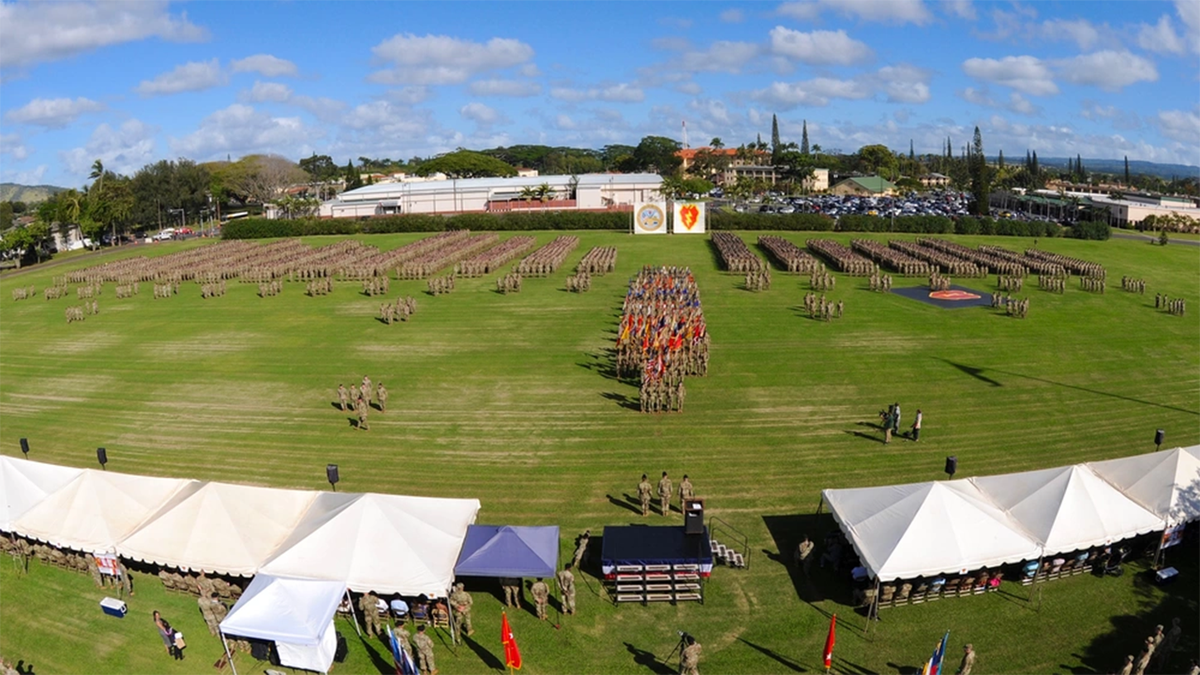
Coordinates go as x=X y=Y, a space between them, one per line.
x=1010 y=283
x=166 y=290
x=128 y=290
x=663 y=393
x=600 y=260
x=662 y=325
x=379 y=285
x=1052 y=283
x=758 y=280
x=1093 y=284
x=88 y=292
x=270 y=288
x=212 y=290
x=509 y=283
x=821 y=280
x=881 y=282
x=819 y=307
x=55 y=292
x=1134 y=285
x=403 y=308
x=319 y=286
x=1174 y=306
x=23 y=293
x=1012 y=306
x=937 y=282
x=361 y=397
x=440 y=285
x=580 y=282
x=78 y=312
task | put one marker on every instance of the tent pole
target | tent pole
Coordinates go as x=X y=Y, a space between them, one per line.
x=353 y=616
x=1158 y=552
x=450 y=614
x=228 y=656
x=820 y=503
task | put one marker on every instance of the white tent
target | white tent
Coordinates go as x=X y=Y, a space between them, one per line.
x=385 y=543
x=98 y=509
x=1068 y=508
x=1167 y=483
x=923 y=529
x=224 y=528
x=23 y=484
x=297 y=614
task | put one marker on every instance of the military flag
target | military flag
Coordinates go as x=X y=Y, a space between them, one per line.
x=404 y=662
x=829 y=641
x=512 y=655
x=934 y=665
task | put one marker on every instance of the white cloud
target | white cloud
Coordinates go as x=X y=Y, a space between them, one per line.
x=904 y=83
x=1109 y=70
x=1161 y=37
x=564 y=122
x=480 y=114
x=1023 y=73
x=52 y=113
x=36 y=32
x=32 y=177
x=720 y=57
x=1015 y=103
x=11 y=145
x=901 y=83
x=409 y=96
x=671 y=43
x=261 y=92
x=883 y=11
x=1189 y=14
x=616 y=93
x=265 y=65
x=689 y=88
x=384 y=118
x=124 y=149
x=324 y=109
x=241 y=130
x=1181 y=125
x=963 y=9
x=500 y=87
x=819 y=48
x=440 y=59
x=733 y=16
x=1080 y=31
x=192 y=76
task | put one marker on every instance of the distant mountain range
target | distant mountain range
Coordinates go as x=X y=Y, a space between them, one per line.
x=30 y=194
x=1117 y=166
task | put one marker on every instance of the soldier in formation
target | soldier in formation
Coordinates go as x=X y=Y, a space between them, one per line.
x=662 y=392
x=1009 y=283
x=937 y=282
x=1054 y=284
x=758 y=280
x=1175 y=306
x=1134 y=285
x=75 y=313
x=212 y=290
x=401 y=310
x=23 y=293
x=664 y=494
x=319 y=286
x=343 y=397
x=360 y=408
x=512 y=591
x=881 y=282
x=509 y=283
x=368 y=604
x=644 y=492
x=566 y=589
x=1017 y=308
x=440 y=285
x=365 y=389
x=381 y=395
x=821 y=280
x=580 y=282
x=424 y=648
x=269 y=288
x=1093 y=284
x=460 y=602
x=376 y=286
x=54 y=292
x=599 y=260
x=541 y=597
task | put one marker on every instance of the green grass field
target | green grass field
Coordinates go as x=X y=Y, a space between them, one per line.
x=509 y=399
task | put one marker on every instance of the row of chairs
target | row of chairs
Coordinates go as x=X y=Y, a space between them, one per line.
x=1059 y=567
x=726 y=555
x=910 y=593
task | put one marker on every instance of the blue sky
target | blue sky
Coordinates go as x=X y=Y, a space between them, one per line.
x=132 y=83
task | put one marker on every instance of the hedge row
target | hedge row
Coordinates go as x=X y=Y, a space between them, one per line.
x=261 y=228
x=1090 y=230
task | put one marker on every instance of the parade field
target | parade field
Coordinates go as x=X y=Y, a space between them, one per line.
x=513 y=399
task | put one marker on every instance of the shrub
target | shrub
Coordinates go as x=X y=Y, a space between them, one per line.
x=1090 y=230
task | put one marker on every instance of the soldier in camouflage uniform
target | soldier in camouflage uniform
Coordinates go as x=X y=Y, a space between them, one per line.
x=361 y=408
x=686 y=491
x=368 y=604
x=424 y=651
x=205 y=603
x=566 y=589
x=460 y=602
x=381 y=393
x=512 y=591
x=644 y=490
x=344 y=397
x=664 y=494
x=541 y=596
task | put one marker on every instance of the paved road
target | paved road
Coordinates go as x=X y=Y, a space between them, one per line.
x=1146 y=237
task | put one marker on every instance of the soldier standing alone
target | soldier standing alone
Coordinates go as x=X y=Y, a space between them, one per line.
x=968 y=661
x=804 y=554
x=461 y=602
x=644 y=490
x=541 y=596
x=664 y=494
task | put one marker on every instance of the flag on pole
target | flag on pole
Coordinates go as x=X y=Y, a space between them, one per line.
x=404 y=662
x=512 y=655
x=934 y=665
x=829 y=642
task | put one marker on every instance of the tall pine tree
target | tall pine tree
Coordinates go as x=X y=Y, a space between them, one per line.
x=804 y=139
x=980 y=183
x=1127 y=181
x=776 y=148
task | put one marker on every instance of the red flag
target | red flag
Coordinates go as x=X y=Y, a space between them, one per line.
x=829 y=642
x=512 y=655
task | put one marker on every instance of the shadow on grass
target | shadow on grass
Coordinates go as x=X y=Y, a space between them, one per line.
x=649 y=660
x=628 y=502
x=489 y=659
x=869 y=437
x=382 y=664
x=787 y=531
x=627 y=402
x=783 y=660
x=976 y=373
x=905 y=670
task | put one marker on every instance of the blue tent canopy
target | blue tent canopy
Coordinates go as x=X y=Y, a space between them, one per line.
x=509 y=551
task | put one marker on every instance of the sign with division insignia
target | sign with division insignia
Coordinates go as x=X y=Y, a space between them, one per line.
x=689 y=218
x=650 y=218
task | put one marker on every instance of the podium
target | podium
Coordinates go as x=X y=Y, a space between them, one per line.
x=693 y=516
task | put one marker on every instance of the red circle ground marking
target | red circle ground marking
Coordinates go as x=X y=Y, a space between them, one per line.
x=953 y=295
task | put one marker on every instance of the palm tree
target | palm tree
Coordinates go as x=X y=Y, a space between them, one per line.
x=528 y=193
x=544 y=192
x=97 y=174
x=716 y=143
x=816 y=148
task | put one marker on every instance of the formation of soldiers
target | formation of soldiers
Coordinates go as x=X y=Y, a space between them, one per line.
x=401 y=310
x=821 y=280
x=79 y=312
x=662 y=334
x=580 y=282
x=494 y=257
x=1052 y=284
x=1026 y=263
x=548 y=258
x=1016 y=307
x=1156 y=651
x=440 y=285
x=55 y=292
x=376 y=286
x=937 y=282
x=88 y=292
x=823 y=308
x=270 y=288
x=664 y=491
x=789 y=256
x=1092 y=284
x=166 y=290
x=509 y=283
x=759 y=280
x=843 y=259
x=988 y=262
x=1012 y=284
x=1075 y=265
x=23 y=293
x=128 y=290
x=212 y=290
x=319 y=286
x=880 y=282
x=1134 y=285
x=942 y=260
x=664 y=393
x=600 y=261
x=894 y=258
x=360 y=398
x=735 y=255
x=449 y=251
x=1175 y=306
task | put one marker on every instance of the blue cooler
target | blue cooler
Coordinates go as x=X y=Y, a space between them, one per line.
x=114 y=607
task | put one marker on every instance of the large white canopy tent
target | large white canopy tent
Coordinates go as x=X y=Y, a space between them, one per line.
x=297 y=614
x=924 y=529
x=384 y=543
x=98 y=509
x=24 y=484
x=1067 y=508
x=222 y=527
x=1167 y=483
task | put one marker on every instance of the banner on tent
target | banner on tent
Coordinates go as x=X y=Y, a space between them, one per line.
x=107 y=564
x=650 y=218
x=1172 y=536
x=690 y=218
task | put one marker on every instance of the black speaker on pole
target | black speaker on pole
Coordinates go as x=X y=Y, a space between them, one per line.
x=102 y=457
x=25 y=447
x=693 y=516
x=1159 y=435
x=952 y=465
x=331 y=473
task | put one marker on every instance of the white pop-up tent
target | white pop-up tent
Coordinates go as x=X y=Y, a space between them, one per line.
x=1068 y=508
x=384 y=543
x=297 y=614
x=24 y=484
x=1167 y=483
x=924 y=529
x=98 y=509
x=223 y=528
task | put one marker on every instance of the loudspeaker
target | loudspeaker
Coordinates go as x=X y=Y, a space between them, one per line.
x=1159 y=435
x=952 y=464
x=693 y=516
x=25 y=445
x=331 y=472
x=102 y=456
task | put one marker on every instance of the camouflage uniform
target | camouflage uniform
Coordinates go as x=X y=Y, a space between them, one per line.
x=460 y=602
x=368 y=604
x=689 y=659
x=664 y=494
x=566 y=588
x=644 y=491
x=541 y=596
x=512 y=591
x=424 y=651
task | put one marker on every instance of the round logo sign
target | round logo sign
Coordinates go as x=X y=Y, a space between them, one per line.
x=953 y=295
x=651 y=218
